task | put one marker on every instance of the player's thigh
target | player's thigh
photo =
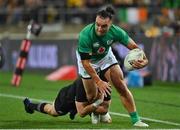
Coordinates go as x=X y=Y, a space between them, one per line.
x=117 y=78
x=90 y=88
x=113 y=73
x=49 y=108
x=107 y=75
x=116 y=72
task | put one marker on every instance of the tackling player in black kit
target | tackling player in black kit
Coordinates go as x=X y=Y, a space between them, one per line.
x=70 y=99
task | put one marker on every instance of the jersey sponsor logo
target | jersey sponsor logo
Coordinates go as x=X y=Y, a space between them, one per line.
x=96 y=44
x=101 y=50
x=109 y=42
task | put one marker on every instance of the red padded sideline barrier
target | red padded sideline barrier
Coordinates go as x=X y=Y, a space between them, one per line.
x=63 y=73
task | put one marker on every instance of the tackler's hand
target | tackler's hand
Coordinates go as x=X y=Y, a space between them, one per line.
x=104 y=87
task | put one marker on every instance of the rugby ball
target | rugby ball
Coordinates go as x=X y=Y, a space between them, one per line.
x=135 y=54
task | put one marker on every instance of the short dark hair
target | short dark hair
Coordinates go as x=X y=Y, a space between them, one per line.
x=106 y=12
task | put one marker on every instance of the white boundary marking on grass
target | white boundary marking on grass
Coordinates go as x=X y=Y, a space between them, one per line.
x=22 y=97
x=147 y=119
x=113 y=113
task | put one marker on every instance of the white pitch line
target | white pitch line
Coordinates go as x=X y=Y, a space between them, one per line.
x=22 y=97
x=112 y=113
x=147 y=119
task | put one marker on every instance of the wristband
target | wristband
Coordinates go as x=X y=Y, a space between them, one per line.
x=97 y=102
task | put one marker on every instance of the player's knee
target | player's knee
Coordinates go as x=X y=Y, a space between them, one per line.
x=104 y=111
x=81 y=114
x=51 y=111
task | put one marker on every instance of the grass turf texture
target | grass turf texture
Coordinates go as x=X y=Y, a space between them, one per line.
x=160 y=101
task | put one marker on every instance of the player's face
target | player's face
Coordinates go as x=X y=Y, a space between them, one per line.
x=102 y=25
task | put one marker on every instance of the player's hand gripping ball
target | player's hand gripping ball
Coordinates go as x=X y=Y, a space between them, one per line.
x=133 y=55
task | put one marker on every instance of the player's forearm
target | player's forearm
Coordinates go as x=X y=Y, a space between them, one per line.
x=90 y=108
x=101 y=110
x=90 y=70
x=87 y=110
x=132 y=45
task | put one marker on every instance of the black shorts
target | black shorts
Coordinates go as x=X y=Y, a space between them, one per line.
x=81 y=94
x=65 y=100
x=80 y=91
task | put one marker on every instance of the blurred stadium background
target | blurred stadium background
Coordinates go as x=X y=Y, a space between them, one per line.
x=154 y=24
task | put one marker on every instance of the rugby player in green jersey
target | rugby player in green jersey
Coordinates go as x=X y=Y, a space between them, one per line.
x=94 y=53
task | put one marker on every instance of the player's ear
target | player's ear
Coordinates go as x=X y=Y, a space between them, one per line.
x=110 y=22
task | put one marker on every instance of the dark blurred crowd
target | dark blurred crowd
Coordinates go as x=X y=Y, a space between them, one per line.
x=163 y=16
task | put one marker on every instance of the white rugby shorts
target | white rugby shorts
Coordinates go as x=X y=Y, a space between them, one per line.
x=102 y=64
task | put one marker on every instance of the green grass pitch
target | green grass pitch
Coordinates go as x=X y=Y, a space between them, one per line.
x=158 y=104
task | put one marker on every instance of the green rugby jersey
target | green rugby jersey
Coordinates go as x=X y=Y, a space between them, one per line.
x=98 y=46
